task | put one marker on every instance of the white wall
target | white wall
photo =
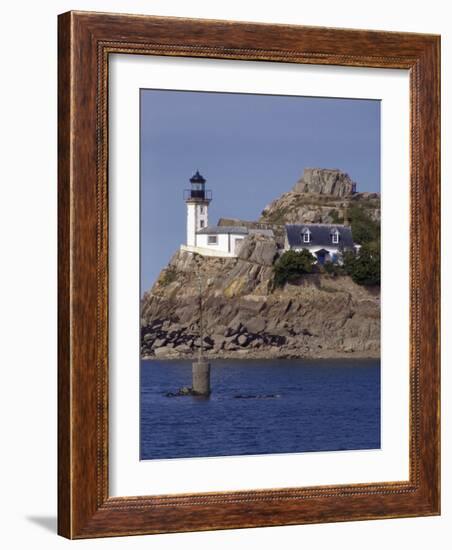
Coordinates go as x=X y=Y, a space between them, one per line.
x=28 y=275
x=225 y=243
x=222 y=244
x=314 y=249
x=203 y=215
x=191 y=224
x=197 y=218
x=214 y=252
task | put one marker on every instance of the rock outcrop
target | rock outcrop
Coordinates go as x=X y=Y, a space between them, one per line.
x=325 y=182
x=295 y=207
x=320 y=196
x=259 y=250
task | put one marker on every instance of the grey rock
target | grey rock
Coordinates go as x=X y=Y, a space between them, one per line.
x=256 y=324
x=325 y=182
x=256 y=343
x=258 y=249
x=183 y=348
x=162 y=352
x=242 y=340
x=160 y=342
x=231 y=346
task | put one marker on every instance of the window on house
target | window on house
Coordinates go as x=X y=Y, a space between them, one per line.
x=201 y=223
x=335 y=237
x=307 y=236
x=201 y=209
x=212 y=239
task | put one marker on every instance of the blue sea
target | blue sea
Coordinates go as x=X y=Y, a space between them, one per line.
x=260 y=407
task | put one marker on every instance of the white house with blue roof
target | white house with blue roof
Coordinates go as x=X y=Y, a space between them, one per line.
x=326 y=242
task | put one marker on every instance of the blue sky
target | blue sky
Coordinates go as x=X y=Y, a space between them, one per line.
x=251 y=148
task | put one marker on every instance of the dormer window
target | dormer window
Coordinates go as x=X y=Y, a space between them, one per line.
x=306 y=235
x=335 y=236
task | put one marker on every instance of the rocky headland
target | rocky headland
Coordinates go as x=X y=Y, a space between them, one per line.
x=244 y=315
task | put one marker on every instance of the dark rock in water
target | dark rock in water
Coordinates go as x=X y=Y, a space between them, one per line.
x=180 y=392
x=184 y=392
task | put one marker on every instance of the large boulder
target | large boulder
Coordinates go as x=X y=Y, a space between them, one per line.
x=258 y=249
x=325 y=182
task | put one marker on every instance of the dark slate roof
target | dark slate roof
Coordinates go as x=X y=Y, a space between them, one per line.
x=320 y=235
x=236 y=229
x=221 y=229
x=263 y=232
x=197 y=178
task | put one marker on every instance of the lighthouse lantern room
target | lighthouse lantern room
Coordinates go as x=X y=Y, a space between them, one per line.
x=197 y=199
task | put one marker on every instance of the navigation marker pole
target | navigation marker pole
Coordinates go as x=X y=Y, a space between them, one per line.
x=200 y=368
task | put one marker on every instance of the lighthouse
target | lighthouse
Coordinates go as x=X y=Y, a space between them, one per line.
x=197 y=199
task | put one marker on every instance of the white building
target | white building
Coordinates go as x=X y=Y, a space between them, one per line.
x=221 y=240
x=210 y=240
x=197 y=199
x=326 y=242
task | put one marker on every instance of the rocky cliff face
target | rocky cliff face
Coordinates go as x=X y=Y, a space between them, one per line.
x=320 y=196
x=325 y=182
x=320 y=316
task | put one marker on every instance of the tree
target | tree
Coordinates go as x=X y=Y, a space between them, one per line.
x=291 y=265
x=364 y=267
x=333 y=268
x=364 y=228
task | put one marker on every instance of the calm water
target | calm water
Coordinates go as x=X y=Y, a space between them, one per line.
x=319 y=405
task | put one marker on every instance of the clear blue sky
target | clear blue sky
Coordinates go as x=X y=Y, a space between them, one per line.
x=250 y=148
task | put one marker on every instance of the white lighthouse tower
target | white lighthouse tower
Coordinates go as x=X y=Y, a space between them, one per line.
x=197 y=199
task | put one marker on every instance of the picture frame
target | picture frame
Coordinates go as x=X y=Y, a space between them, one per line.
x=85 y=508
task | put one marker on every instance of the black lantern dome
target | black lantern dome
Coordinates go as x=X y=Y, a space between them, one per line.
x=197 y=178
x=198 y=191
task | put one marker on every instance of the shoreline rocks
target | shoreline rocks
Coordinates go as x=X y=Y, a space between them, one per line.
x=320 y=316
x=265 y=355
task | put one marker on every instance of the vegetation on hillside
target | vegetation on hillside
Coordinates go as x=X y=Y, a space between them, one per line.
x=291 y=265
x=364 y=266
x=364 y=228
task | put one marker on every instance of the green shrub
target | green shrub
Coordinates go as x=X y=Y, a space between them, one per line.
x=333 y=268
x=291 y=265
x=364 y=228
x=364 y=267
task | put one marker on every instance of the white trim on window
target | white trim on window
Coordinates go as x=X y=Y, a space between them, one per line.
x=212 y=239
